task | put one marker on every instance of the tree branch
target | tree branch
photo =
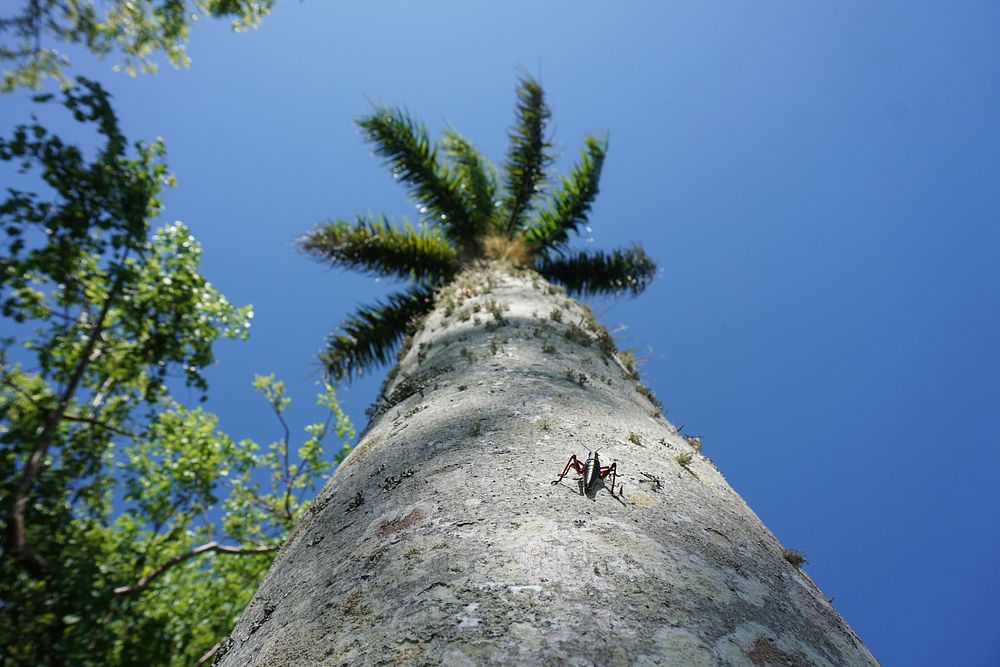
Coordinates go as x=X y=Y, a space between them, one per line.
x=16 y=545
x=145 y=581
x=102 y=393
x=209 y=654
x=98 y=423
x=260 y=503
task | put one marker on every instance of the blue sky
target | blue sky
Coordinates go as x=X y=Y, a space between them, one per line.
x=818 y=182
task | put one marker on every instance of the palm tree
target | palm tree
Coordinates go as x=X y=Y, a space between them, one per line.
x=469 y=217
x=452 y=533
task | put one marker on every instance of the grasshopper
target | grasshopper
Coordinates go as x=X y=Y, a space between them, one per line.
x=592 y=473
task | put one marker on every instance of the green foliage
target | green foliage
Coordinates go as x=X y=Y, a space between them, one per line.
x=589 y=273
x=137 y=29
x=528 y=155
x=478 y=219
x=370 y=336
x=472 y=169
x=412 y=159
x=376 y=246
x=569 y=205
x=135 y=531
x=115 y=302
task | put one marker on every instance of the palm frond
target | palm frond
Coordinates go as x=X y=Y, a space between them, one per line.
x=588 y=273
x=369 y=337
x=528 y=154
x=374 y=245
x=477 y=179
x=568 y=206
x=412 y=158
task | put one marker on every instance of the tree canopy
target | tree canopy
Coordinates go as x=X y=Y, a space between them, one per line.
x=471 y=211
x=135 y=530
x=137 y=29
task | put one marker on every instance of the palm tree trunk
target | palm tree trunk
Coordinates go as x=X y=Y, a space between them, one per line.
x=441 y=539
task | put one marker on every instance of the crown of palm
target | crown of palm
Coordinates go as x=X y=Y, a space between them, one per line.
x=467 y=215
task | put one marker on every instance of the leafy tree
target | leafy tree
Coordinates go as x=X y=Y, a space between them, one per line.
x=470 y=213
x=138 y=29
x=134 y=530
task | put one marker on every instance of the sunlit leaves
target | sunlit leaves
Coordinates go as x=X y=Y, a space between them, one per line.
x=85 y=253
x=130 y=481
x=137 y=30
x=262 y=511
x=273 y=391
x=171 y=314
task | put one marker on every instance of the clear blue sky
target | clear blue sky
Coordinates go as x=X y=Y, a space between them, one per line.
x=819 y=182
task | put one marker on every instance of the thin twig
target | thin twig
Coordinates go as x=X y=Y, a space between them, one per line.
x=100 y=424
x=319 y=440
x=102 y=393
x=259 y=502
x=286 y=476
x=209 y=654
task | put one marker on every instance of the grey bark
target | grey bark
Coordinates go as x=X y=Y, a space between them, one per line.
x=441 y=539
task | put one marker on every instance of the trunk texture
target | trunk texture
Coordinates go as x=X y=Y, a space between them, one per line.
x=442 y=540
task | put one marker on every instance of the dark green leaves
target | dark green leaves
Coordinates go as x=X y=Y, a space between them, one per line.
x=588 y=273
x=568 y=205
x=375 y=246
x=527 y=156
x=477 y=179
x=412 y=159
x=100 y=208
x=370 y=336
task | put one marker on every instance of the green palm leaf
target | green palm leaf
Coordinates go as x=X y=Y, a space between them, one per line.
x=569 y=205
x=477 y=178
x=528 y=155
x=588 y=273
x=472 y=215
x=412 y=158
x=375 y=246
x=369 y=337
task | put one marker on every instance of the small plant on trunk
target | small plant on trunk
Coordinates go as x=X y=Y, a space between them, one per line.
x=795 y=557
